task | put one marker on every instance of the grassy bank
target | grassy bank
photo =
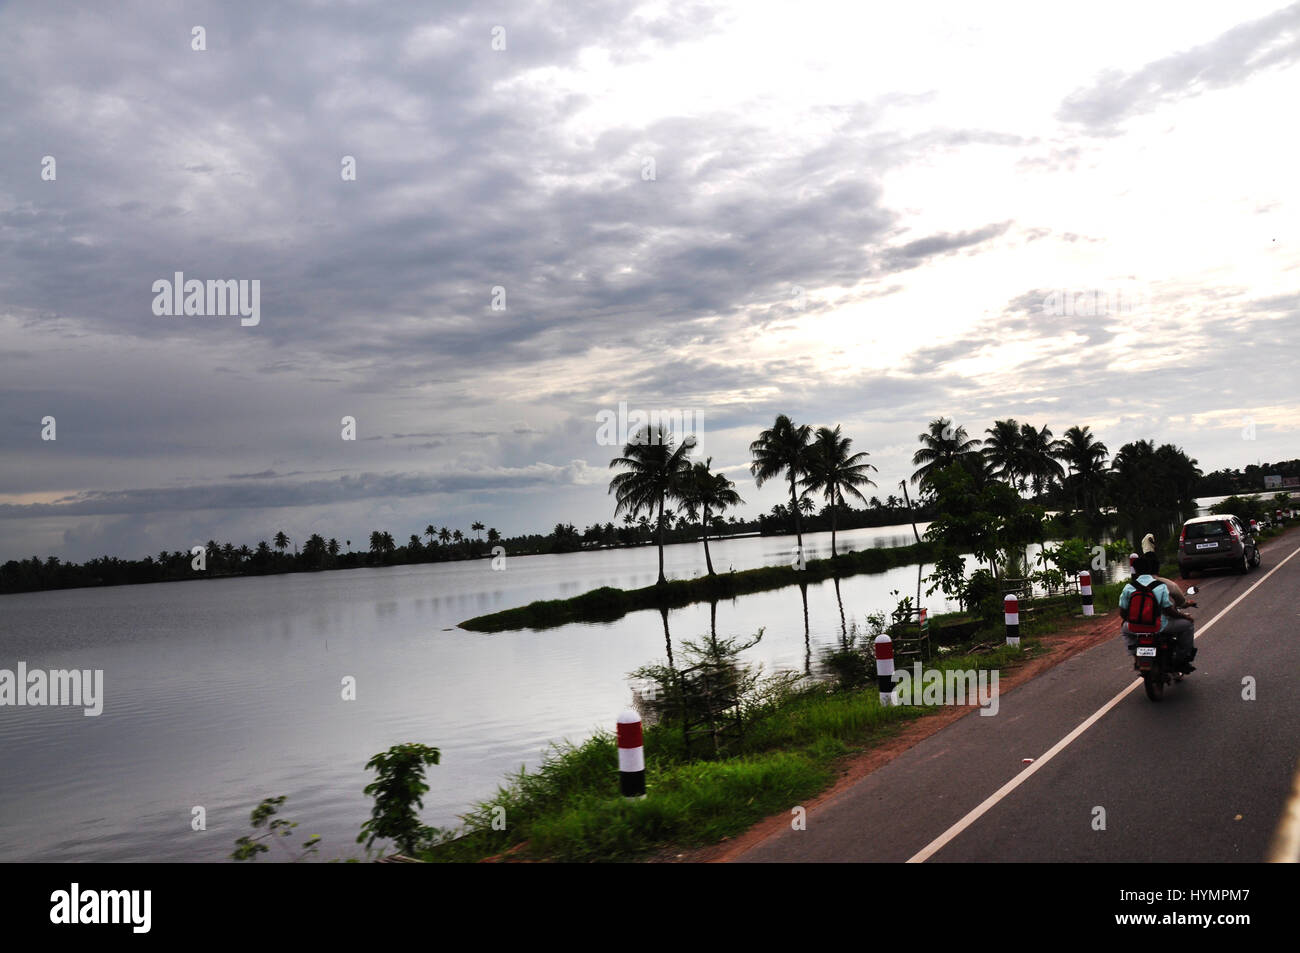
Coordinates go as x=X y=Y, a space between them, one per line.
x=607 y=603
x=570 y=809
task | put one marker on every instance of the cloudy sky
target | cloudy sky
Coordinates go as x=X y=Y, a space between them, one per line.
x=858 y=214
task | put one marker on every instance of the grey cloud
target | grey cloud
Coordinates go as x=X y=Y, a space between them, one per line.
x=287 y=495
x=943 y=243
x=1233 y=57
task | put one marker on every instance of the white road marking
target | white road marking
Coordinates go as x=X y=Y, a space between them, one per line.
x=936 y=845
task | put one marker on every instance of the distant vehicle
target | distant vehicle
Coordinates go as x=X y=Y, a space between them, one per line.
x=1216 y=542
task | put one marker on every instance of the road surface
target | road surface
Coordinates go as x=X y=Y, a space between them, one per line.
x=1202 y=776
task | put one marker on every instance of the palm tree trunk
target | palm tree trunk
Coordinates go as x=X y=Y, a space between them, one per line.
x=661 y=543
x=794 y=505
x=833 y=553
x=708 y=560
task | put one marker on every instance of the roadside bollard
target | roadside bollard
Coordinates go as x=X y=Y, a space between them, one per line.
x=631 y=755
x=1011 y=610
x=1085 y=591
x=885 y=669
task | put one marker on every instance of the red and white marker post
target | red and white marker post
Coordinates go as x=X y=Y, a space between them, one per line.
x=885 y=669
x=1085 y=591
x=631 y=755
x=1011 y=612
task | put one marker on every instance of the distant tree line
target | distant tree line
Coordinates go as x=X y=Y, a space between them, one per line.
x=662 y=497
x=1250 y=480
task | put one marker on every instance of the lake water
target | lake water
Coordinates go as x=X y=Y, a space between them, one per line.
x=221 y=692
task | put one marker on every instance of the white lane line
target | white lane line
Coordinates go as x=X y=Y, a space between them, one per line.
x=936 y=845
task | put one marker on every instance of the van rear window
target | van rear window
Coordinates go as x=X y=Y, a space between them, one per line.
x=1205 y=530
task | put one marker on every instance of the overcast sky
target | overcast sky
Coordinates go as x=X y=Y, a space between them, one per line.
x=850 y=213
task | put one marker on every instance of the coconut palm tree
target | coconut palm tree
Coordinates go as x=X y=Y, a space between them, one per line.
x=444 y=536
x=944 y=444
x=430 y=532
x=654 y=472
x=1003 y=451
x=477 y=527
x=1038 y=458
x=783 y=448
x=281 y=541
x=1086 y=458
x=703 y=496
x=833 y=471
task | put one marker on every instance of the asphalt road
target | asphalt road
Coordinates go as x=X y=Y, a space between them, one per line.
x=1202 y=776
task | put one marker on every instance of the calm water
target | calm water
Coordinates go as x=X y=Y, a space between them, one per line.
x=222 y=692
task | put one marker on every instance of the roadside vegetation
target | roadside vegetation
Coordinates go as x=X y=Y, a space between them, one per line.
x=724 y=753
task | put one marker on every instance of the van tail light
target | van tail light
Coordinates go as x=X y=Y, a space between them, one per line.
x=1232 y=531
x=1182 y=538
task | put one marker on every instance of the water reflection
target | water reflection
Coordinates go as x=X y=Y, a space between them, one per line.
x=807 y=636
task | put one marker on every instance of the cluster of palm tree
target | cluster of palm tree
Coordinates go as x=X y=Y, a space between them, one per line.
x=1143 y=482
x=819 y=461
x=1023 y=456
x=658 y=473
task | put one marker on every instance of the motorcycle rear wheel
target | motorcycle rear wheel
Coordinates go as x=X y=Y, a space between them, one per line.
x=1154 y=683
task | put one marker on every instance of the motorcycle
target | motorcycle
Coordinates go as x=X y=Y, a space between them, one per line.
x=1154 y=659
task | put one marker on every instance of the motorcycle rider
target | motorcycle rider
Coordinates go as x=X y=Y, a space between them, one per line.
x=1175 y=591
x=1173 y=621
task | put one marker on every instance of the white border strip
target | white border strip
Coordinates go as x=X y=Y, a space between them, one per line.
x=936 y=845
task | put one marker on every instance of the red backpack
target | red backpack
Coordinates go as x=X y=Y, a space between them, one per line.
x=1144 y=609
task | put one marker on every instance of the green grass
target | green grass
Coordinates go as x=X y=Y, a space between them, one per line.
x=607 y=603
x=570 y=808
